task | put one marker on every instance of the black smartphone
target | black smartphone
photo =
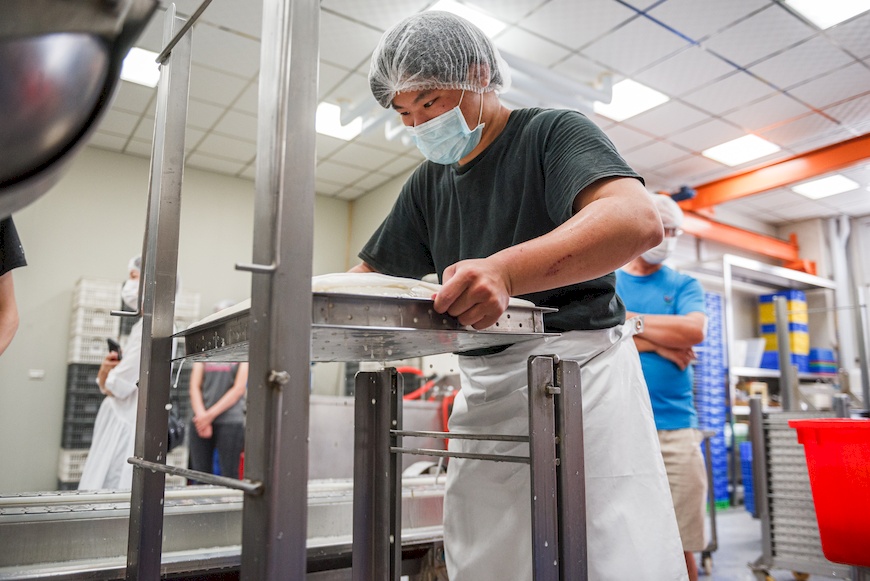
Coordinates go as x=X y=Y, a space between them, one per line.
x=114 y=346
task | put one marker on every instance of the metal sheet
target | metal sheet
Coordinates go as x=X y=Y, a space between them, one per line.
x=369 y=328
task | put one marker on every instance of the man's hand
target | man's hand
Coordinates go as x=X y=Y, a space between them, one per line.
x=109 y=363
x=202 y=423
x=681 y=357
x=474 y=291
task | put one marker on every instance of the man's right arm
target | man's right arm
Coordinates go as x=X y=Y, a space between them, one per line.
x=8 y=311
x=362 y=267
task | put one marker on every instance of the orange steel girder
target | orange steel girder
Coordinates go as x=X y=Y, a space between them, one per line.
x=787 y=252
x=780 y=173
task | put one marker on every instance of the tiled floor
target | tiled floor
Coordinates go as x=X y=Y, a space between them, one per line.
x=739 y=540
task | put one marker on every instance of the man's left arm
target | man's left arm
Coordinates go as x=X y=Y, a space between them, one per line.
x=673 y=331
x=8 y=311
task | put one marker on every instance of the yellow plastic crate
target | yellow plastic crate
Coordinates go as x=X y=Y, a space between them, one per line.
x=798 y=342
x=797 y=313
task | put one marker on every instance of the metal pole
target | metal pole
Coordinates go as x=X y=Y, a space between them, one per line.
x=788 y=375
x=759 y=476
x=376 y=556
x=159 y=265
x=542 y=453
x=570 y=473
x=864 y=357
x=274 y=524
x=732 y=378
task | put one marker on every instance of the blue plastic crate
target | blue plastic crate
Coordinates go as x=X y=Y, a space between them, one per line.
x=790 y=295
x=770 y=360
x=746 y=470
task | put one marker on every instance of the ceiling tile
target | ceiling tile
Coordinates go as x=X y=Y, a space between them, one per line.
x=377 y=138
x=767 y=112
x=238 y=124
x=139 y=148
x=327 y=188
x=339 y=172
x=224 y=50
x=214 y=86
x=118 y=122
x=379 y=14
x=859 y=196
x=729 y=93
x=574 y=24
x=353 y=89
x=654 y=155
x=634 y=46
x=400 y=165
x=812 y=58
x=250 y=172
x=580 y=68
x=804 y=210
x=329 y=76
x=203 y=115
x=350 y=193
x=684 y=71
x=853 y=36
x=326 y=145
x=530 y=46
x=698 y=19
x=243 y=17
x=706 y=135
x=344 y=42
x=227 y=147
x=824 y=139
x=759 y=36
x=108 y=141
x=511 y=11
x=854 y=113
x=134 y=98
x=794 y=132
x=248 y=100
x=373 y=180
x=224 y=166
x=626 y=138
x=364 y=157
x=152 y=37
x=666 y=119
x=837 y=86
x=688 y=171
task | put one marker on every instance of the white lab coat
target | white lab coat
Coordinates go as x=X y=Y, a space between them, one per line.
x=115 y=427
x=631 y=527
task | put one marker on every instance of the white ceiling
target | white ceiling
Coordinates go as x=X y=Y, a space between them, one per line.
x=730 y=68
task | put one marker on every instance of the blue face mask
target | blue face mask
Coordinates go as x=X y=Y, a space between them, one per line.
x=446 y=139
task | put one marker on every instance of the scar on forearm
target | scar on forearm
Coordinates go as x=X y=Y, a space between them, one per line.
x=556 y=267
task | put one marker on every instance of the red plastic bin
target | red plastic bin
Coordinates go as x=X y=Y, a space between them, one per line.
x=838 y=460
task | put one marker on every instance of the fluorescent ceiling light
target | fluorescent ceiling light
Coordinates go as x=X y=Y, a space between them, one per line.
x=140 y=66
x=489 y=25
x=824 y=187
x=629 y=98
x=827 y=14
x=741 y=150
x=328 y=122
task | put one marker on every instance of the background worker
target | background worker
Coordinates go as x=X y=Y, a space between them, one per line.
x=536 y=204
x=217 y=397
x=11 y=257
x=672 y=307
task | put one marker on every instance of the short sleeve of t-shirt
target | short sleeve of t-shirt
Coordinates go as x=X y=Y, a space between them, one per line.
x=11 y=250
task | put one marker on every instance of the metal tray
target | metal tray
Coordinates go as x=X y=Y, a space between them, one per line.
x=350 y=327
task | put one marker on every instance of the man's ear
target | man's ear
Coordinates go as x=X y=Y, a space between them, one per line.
x=479 y=74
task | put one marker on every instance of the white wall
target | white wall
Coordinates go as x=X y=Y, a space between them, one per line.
x=88 y=226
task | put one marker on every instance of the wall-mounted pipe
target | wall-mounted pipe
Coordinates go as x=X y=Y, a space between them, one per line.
x=838 y=240
x=559 y=82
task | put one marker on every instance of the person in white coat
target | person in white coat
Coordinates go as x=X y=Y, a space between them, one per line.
x=115 y=426
x=536 y=204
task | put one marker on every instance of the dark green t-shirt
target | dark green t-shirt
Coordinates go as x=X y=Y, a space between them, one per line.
x=521 y=187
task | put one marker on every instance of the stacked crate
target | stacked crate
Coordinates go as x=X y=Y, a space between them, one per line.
x=798 y=330
x=91 y=323
x=710 y=379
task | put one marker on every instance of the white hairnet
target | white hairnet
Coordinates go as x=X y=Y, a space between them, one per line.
x=669 y=210
x=135 y=263
x=435 y=50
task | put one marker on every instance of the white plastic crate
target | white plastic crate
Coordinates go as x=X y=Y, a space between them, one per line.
x=70 y=465
x=94 y=322
x=84 y=349
x=99 y=293
x=187 y=305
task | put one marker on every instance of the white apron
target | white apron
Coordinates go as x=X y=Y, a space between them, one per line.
x=631 y=527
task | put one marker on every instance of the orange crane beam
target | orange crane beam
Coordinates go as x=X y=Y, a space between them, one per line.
x=787 y=252
x=780 y=173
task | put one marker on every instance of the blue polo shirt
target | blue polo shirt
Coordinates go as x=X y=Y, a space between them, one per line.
x=665 y=292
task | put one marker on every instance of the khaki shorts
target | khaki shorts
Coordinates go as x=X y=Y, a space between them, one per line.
x=687 y=477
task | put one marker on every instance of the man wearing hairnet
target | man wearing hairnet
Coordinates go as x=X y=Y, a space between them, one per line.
x=536 y=204
x=673 y=308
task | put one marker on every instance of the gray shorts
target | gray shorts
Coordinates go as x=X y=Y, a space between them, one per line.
x=687 y=477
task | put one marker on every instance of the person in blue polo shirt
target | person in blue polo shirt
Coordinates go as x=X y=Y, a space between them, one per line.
x=672 y=307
